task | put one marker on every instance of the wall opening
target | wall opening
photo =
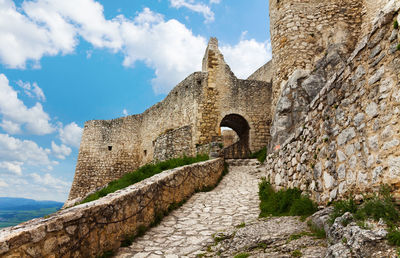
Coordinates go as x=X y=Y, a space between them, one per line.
x=240 y=139
x=109 y=148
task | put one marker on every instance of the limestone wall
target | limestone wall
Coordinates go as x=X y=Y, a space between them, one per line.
x=110 y=149
x=189 y=117
x=264 y=73
x=173 y=144
x=349 y=142
x=302 y=30
x=90 y=229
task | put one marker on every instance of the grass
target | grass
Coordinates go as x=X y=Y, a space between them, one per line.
x=289 y=202
x=242 y=255
x=261 y=155
x=241 y=225
x=297 y=253
x=142 y=173
x=379 y=206
x=316 y=231
x=394 y=237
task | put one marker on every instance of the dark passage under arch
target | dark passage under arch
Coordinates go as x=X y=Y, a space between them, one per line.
x=239 y=124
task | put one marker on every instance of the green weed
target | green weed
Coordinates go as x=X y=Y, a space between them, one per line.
x=284 y=202
x=396 y=25
x=261 y=155
x=297 y=253
x=394 y=237
x=242 y=255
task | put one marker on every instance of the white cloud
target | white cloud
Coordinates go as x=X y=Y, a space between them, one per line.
x=71 y=134
x=247 y=56
x=23 y=39
x=60 y=151
x=18 y=152
x=3 y=184
x=125 y=112
x=167 y=46
x=49 y=180
x=14 y=167
x=196 y=7
x=33 y=91
x=51 y=27
x=15 y=113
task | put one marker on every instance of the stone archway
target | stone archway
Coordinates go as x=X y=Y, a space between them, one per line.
x=239 y=124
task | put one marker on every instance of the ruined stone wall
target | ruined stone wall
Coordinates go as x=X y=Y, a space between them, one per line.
x=302 y=30
x=349 y=142
x=88 y=230
x=173 y=144
x=227 y=95
x=110 y=149
x=264 y=73
x=189 y=117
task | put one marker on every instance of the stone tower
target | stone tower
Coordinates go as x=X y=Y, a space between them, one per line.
x=303 y=30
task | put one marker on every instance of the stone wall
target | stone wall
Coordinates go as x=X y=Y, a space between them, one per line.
x=109 y=149
x=349 y=140
x=90 y=229
x=264 y=73
x=173 y=144
x=302 y=30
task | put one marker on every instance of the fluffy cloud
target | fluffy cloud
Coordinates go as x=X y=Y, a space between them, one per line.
x=196 y=7
x=125 y=112
x=51 y=27
x=49 y=180
x=247 y=56
x=23 y=39
x=71 y=134
x=18 y=152
x=32 y=90
x=167 y=46
x=14 y=167
x=15 y=113
x=60 y=151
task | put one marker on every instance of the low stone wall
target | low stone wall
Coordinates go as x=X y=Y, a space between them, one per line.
x=90 y=229
x=349 y=141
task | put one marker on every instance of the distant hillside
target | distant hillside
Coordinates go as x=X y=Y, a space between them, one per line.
x=14 y=211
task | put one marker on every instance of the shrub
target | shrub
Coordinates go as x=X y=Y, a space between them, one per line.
x=398 y=47
x=261 y=155
x=284 y=202
x=341 y=207
x=297 y=253
x=396 y=25
x=142 y=173
x=394 y=237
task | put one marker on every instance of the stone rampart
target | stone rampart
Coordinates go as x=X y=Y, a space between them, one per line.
x=349 y=141
x=190 y=116
x=87 y=230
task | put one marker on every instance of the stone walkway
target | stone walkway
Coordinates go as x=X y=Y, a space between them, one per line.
x=189 y=229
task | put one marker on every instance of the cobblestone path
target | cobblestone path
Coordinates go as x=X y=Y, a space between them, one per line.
x=188 y=230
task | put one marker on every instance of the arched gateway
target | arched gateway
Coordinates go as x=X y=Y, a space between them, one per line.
x=186 y=122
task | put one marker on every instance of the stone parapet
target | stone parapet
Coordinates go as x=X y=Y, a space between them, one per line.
x=87 y=230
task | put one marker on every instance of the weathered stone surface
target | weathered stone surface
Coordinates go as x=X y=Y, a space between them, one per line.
x=189 y=230
x=346 y=135
x=101 y=225
x=186 y=122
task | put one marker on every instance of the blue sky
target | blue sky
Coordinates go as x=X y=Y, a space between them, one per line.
x=65 y=62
